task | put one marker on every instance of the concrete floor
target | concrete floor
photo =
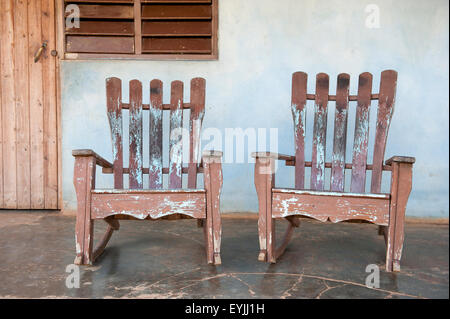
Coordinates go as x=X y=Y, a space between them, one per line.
x=165 y=259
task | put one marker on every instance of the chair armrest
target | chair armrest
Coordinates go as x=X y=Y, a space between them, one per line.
x=281 y=157
x=212 y=156
x=400 y=159
x=86 y=153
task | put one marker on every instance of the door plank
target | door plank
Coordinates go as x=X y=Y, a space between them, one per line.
x=298 y=108
x=23 y=183
x=135 y=135
x=360 y=143
x=320 y=132
x=155 y=132
x=340 y=133
x=50 y=107
x=8 y=108
x=175 y=139
x=36 y=106
x=1 y=122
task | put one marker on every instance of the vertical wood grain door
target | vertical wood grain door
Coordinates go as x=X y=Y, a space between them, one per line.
x=28 y=100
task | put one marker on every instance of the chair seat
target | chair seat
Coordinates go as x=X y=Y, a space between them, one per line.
x=148 y=203
x=329 y=193
x=331 y=206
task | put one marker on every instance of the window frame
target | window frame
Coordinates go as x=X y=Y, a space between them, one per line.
x=61 y=39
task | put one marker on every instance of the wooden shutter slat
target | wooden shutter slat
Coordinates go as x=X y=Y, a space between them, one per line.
x=99 y=1
x=320 y=132
x=195 y=124
x=360 y=143
x=176 y=44
x=99 y=44
x=176 y=1
x=135 y=135
x=106 y=27
x=156 y=141
x=340 y=134
x=388 y=85
x=175 y=139
x=104 y=11
x=298 y=108
x=176 y=11
x=114 y=109
x=177 y=28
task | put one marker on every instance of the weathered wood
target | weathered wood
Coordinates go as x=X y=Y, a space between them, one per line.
x=165 y=12
x=1 y=122
x=401 y=184
x=36 y=108
x=340 y=133
x=264 y=181
x=49 y=80
x=213 y=185
x=298 y=108
x=320 y=132
x=23 y=107
x=135 y=135
x=400 y=159
x=99 y=44
x=98 y=159
x=335 y=208
x=195 y=125
x=84 y=182
x=137 y=27
x=361 y=139
x=101 y=245
x=386 y=210
x=388 y=85
x=151 y=204
x=156 y=141
x=286 y=239
x=113 y=104
x=106 y=11
x=176 y=135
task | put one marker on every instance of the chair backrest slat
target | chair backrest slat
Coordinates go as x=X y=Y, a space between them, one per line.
x=175 y=139
x=114 y=110
x=196 y=119
x=156 y=135
x=388 y=85
x=359 y=161
x=298 y=108
x=156 y=109
x=320 y=132
x=135 y=135
x=360 y=151
x=340 y=133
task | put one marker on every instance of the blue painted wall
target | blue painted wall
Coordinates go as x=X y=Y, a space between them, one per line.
x=261 y=43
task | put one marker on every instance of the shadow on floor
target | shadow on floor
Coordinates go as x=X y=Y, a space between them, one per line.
x=166 y=259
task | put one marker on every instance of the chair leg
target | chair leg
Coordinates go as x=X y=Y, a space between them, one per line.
x=213 y=224
x=264 y=181
x=84 y=182
x=400 y=190
x=84 y=239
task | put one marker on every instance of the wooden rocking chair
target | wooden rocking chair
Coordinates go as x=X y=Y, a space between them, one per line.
x=335 y=205
x=154 y=202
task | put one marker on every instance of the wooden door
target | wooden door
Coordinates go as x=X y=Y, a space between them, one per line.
x=28 y=100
